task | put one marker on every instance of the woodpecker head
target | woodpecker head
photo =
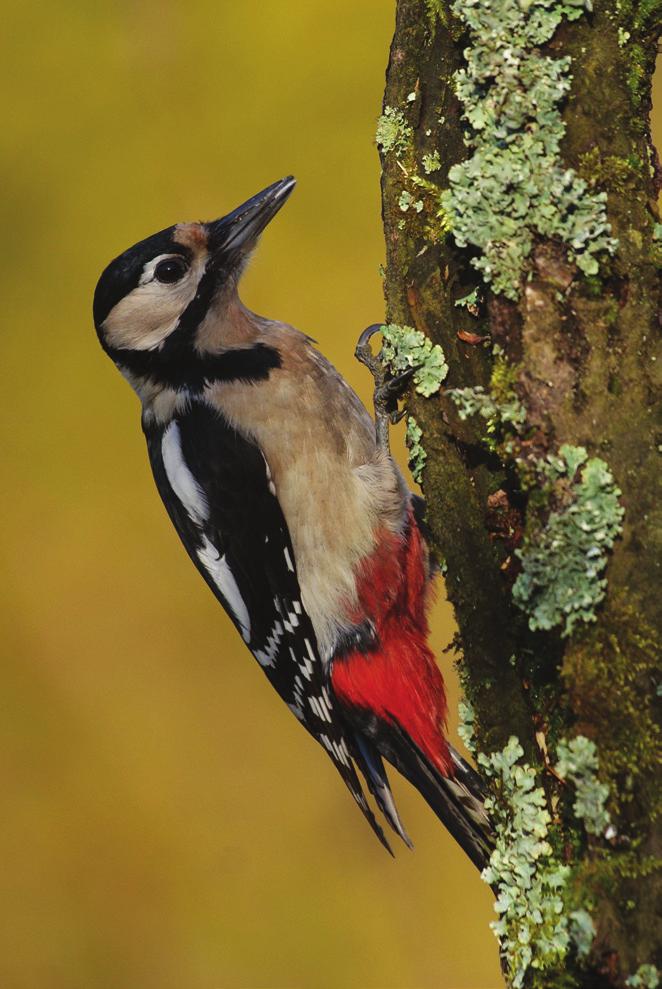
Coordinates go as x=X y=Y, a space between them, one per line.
x=151 y=303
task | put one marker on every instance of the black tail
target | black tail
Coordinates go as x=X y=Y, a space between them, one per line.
x=458 y=802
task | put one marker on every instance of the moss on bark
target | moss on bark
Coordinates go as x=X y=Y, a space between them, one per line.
x=580 y=350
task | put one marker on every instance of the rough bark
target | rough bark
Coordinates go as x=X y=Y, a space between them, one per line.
x=583 y=359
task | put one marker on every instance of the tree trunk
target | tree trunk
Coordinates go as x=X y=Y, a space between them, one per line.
x=511 y=132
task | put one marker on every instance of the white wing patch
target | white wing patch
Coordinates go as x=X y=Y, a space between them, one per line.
x=219 y=571
x=180 y=477
x=194 y=500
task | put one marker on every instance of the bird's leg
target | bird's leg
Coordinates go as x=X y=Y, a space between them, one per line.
x=388 y=390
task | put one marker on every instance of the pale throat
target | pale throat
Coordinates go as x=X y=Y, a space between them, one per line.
x=160 y=402
x=227 y=324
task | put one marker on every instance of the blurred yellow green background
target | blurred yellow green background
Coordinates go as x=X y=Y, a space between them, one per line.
x=165 y=821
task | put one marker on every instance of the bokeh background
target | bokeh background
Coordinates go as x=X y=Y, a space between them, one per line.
x=165 y=822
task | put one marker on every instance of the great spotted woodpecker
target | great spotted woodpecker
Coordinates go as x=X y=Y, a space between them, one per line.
x=294 y=514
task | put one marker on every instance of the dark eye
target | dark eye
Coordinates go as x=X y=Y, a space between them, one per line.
x=170 y=270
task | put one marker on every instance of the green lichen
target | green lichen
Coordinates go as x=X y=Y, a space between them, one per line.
x=393 y=132
x=404 y=347
x=578 y=763
x=499 y=405
x=426 y=197
x=466 y=725
x=543 y=905
x=431 y=163
x=477 y=401
x=562 y=561
x=532 y=928
x=515 y=187
x=407 y=201
x=646 y=977
x=468 y=301
x=417 y=455
x=582 y=932
x=473 y=401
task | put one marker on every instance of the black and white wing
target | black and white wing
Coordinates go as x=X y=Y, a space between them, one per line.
x=219 y=495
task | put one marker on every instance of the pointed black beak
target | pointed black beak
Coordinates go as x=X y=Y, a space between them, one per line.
x=238 y=231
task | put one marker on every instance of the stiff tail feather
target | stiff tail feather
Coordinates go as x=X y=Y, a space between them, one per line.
x=372 y=767
x=458 y=801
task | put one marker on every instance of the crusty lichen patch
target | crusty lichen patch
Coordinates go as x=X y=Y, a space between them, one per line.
x=532 y=927
x=404 y=347
x=647 y=976
x=578 y=764
x=466 y=724
x=563 y=559
x=515 y=186
x=543 y=910
x=478 y=401
x=419 y=194
x=417 y=453
x=393 y=131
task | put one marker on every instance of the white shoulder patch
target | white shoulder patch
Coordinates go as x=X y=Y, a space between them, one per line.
x=218 y=569
x=180 y=477
x=194 y=500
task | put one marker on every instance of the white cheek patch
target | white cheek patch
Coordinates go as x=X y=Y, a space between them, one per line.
x=145 y=318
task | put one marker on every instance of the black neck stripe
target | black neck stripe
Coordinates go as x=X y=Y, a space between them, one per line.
x=186 y=369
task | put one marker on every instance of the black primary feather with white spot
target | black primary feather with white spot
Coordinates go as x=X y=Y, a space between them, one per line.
x=220 y=497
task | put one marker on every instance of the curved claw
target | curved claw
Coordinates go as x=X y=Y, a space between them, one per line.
x=366 y=337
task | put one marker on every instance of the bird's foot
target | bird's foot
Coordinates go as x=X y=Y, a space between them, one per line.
x=388 y=389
